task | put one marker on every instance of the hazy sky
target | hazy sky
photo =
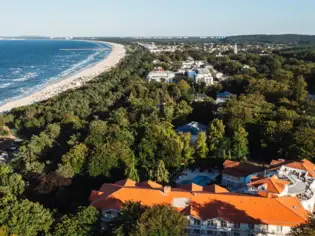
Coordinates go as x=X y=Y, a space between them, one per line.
x=155 y=17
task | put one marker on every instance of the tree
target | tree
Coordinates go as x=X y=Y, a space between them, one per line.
x=161 y=220
x=239 y=142
x=188 y=150
x=10 y=180
x=75 y=158
x=25 y=218
x=216 y=133
x=307 y=229
x=201 y=145
x=304 y=145
x=84 y=223
x=132 y=172
x=161 y=173
x=299 y=88
x=126 y=222
x=223 y=150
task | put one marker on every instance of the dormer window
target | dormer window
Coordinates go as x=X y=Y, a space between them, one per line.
x=196 y=221
x=211 y=223
x=223 y=224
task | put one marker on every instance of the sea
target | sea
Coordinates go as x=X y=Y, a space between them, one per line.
x=26 y=66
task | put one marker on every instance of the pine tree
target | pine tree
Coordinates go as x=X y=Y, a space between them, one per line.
x=201 y=145
x=299 y=88
x=132 y=172
x=216 y=133
x=161 y=173
x=240 y=142
x=188 y=150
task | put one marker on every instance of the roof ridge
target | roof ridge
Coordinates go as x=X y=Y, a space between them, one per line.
x=298 y=202
x=275 y=185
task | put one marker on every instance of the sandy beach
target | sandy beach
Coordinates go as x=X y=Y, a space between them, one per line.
x=71 y=82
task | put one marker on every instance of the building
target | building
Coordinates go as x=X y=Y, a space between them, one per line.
x=194 y=128
x=268 y=186
x=302 y=177
x=161 y=76
x=203 y=76
x=188 y=64
x=208 y=212
x=302 y=169
x=222 y=97
x=236 y=175
x=235 y=49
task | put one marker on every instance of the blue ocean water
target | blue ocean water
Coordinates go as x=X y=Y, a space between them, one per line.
x=28 y=65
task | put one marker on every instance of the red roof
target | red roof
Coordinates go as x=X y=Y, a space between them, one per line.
x=285 y=211
x=272 y=185
x=240 y=169
x=213 y=188
x=304 y=165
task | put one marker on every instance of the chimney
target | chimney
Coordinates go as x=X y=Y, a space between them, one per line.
x=167 y=190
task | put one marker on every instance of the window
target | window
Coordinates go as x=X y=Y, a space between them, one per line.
x=211 y=223
x=279 y=228
x=196 y=222
x=251 y=226
x=223 y=234
x=210 y=232
x=196 y=231
x=236 y=234
x=250 y=234
x=237 y=225
x=223 y=223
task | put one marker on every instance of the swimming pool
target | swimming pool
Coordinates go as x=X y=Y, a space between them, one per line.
x=200 y=180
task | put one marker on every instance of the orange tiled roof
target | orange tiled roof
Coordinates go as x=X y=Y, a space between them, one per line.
x=240 y=169
x=285 y=211
x=192 y=187
x=304 y=164
x=213 y=188
x=150 y=184
x=273 y=184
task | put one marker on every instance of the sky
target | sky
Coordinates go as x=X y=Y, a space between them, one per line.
x=155 y=17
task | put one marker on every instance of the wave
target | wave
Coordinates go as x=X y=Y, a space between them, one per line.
x=5 y=85
x=80 y=65
x=28 y=76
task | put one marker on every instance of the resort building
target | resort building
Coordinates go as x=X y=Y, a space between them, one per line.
x=161 y=76
x=236 y=175
x=210 y=210
x=194 y=128
x=301 y=169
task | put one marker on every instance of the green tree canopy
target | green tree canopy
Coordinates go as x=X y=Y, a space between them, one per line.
x=84 y=223
x=161 y=220
x=201 y=145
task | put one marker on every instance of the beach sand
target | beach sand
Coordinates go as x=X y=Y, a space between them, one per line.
x=71 y=82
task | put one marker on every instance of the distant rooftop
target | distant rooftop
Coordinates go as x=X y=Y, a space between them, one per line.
x=193 y=127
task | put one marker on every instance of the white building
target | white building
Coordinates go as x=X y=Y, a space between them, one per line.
x=203 y=75
x=188 y=64
x=161 y=76
x=209 y=213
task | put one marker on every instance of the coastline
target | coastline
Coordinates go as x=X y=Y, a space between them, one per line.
x=71 y=82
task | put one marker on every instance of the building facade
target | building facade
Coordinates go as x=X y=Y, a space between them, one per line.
x=208 y=213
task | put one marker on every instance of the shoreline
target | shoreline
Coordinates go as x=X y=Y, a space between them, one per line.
x=71 y=82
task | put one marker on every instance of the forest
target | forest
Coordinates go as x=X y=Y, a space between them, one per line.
x=121 y=125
